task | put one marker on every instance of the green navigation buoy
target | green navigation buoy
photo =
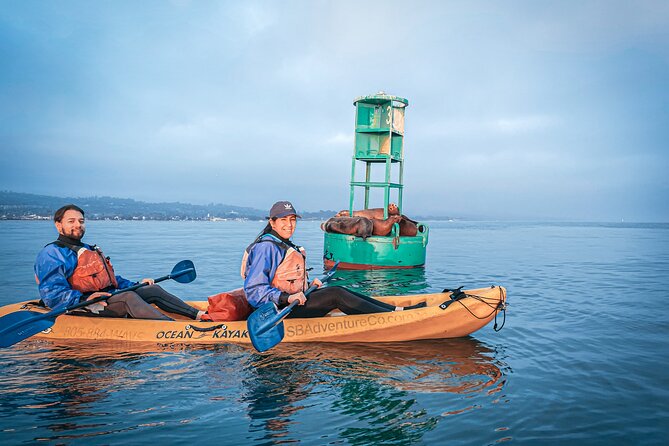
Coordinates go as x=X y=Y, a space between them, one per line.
x=379 y=149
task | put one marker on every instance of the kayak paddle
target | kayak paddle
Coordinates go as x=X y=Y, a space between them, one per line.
x=265 y=324
x=21 y=325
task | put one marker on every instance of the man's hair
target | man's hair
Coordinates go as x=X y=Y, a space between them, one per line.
x=58 y=216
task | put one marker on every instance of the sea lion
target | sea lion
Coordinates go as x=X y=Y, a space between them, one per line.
x=371 y=213
x=383 y=227
x=358 y=226
x=408 y=227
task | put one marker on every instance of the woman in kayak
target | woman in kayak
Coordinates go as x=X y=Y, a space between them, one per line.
x=274 y=270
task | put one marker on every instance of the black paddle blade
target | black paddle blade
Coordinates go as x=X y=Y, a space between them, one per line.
x=184 y=272
x=262 y=331
x=21 y=325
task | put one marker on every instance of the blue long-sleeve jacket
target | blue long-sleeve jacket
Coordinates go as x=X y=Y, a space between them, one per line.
x=54 y=265
x=263 y=260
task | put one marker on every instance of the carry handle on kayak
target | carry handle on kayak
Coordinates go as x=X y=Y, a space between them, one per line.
x=21 y=325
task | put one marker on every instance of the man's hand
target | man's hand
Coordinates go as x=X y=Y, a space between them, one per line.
x=299 y=297
x=147 y=281
x=97 y=306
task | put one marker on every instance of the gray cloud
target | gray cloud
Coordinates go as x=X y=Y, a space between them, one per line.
x=517 y=110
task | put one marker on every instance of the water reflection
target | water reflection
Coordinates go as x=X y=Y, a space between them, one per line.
x=370 y=392
x=273 y=390
x=59 y=385
x=391 y=393
x=383 y=282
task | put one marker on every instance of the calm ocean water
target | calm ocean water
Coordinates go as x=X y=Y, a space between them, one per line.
x=582 y=358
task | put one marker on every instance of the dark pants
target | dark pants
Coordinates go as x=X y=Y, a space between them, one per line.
x=323 y=300
x=136 y=304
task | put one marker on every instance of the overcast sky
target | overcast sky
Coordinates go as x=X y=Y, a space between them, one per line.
x=517 y=109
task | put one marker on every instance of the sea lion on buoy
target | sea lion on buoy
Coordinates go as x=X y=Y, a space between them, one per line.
x=358 y=226
x=383 y=227
x=408 y=227
x=376 y=213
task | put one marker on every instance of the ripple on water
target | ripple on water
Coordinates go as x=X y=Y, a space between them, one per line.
x=581 y=358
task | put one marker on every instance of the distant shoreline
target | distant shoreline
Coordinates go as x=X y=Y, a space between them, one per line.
x=612 y=224
x=31 y=207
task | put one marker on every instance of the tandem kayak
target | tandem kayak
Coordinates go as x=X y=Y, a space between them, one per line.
x=442 y=317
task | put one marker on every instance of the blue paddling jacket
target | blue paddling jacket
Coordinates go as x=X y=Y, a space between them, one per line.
x=273 y=270
x=55 y=264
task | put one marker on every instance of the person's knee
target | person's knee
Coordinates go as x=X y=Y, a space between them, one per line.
x=150 y=291
x=128 y=298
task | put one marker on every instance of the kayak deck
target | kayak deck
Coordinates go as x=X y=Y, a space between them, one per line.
x=441 y=318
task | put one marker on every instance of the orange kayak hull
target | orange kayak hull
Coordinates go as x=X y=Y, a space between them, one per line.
x=436 y=321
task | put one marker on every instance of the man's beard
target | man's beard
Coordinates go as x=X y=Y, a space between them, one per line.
x=75 y=234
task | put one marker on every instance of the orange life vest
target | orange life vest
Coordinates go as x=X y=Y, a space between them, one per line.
x=94 y=271
x=291 y=275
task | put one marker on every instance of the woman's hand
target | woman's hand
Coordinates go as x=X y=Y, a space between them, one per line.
x=299 y=297
x=147 y=281
x=317 y=283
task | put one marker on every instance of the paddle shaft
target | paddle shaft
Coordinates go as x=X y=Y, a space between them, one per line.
x=124 y=290
x=283 y=313
x=20 y=325
x=56 y=313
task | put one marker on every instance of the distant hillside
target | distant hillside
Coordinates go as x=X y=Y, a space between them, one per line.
x=21 y=206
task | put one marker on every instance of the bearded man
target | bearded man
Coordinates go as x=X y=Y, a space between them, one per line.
x=69 y=271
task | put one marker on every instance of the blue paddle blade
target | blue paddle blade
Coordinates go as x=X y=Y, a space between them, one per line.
x=262 y=331
x=20 y=325
x=184 y=272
